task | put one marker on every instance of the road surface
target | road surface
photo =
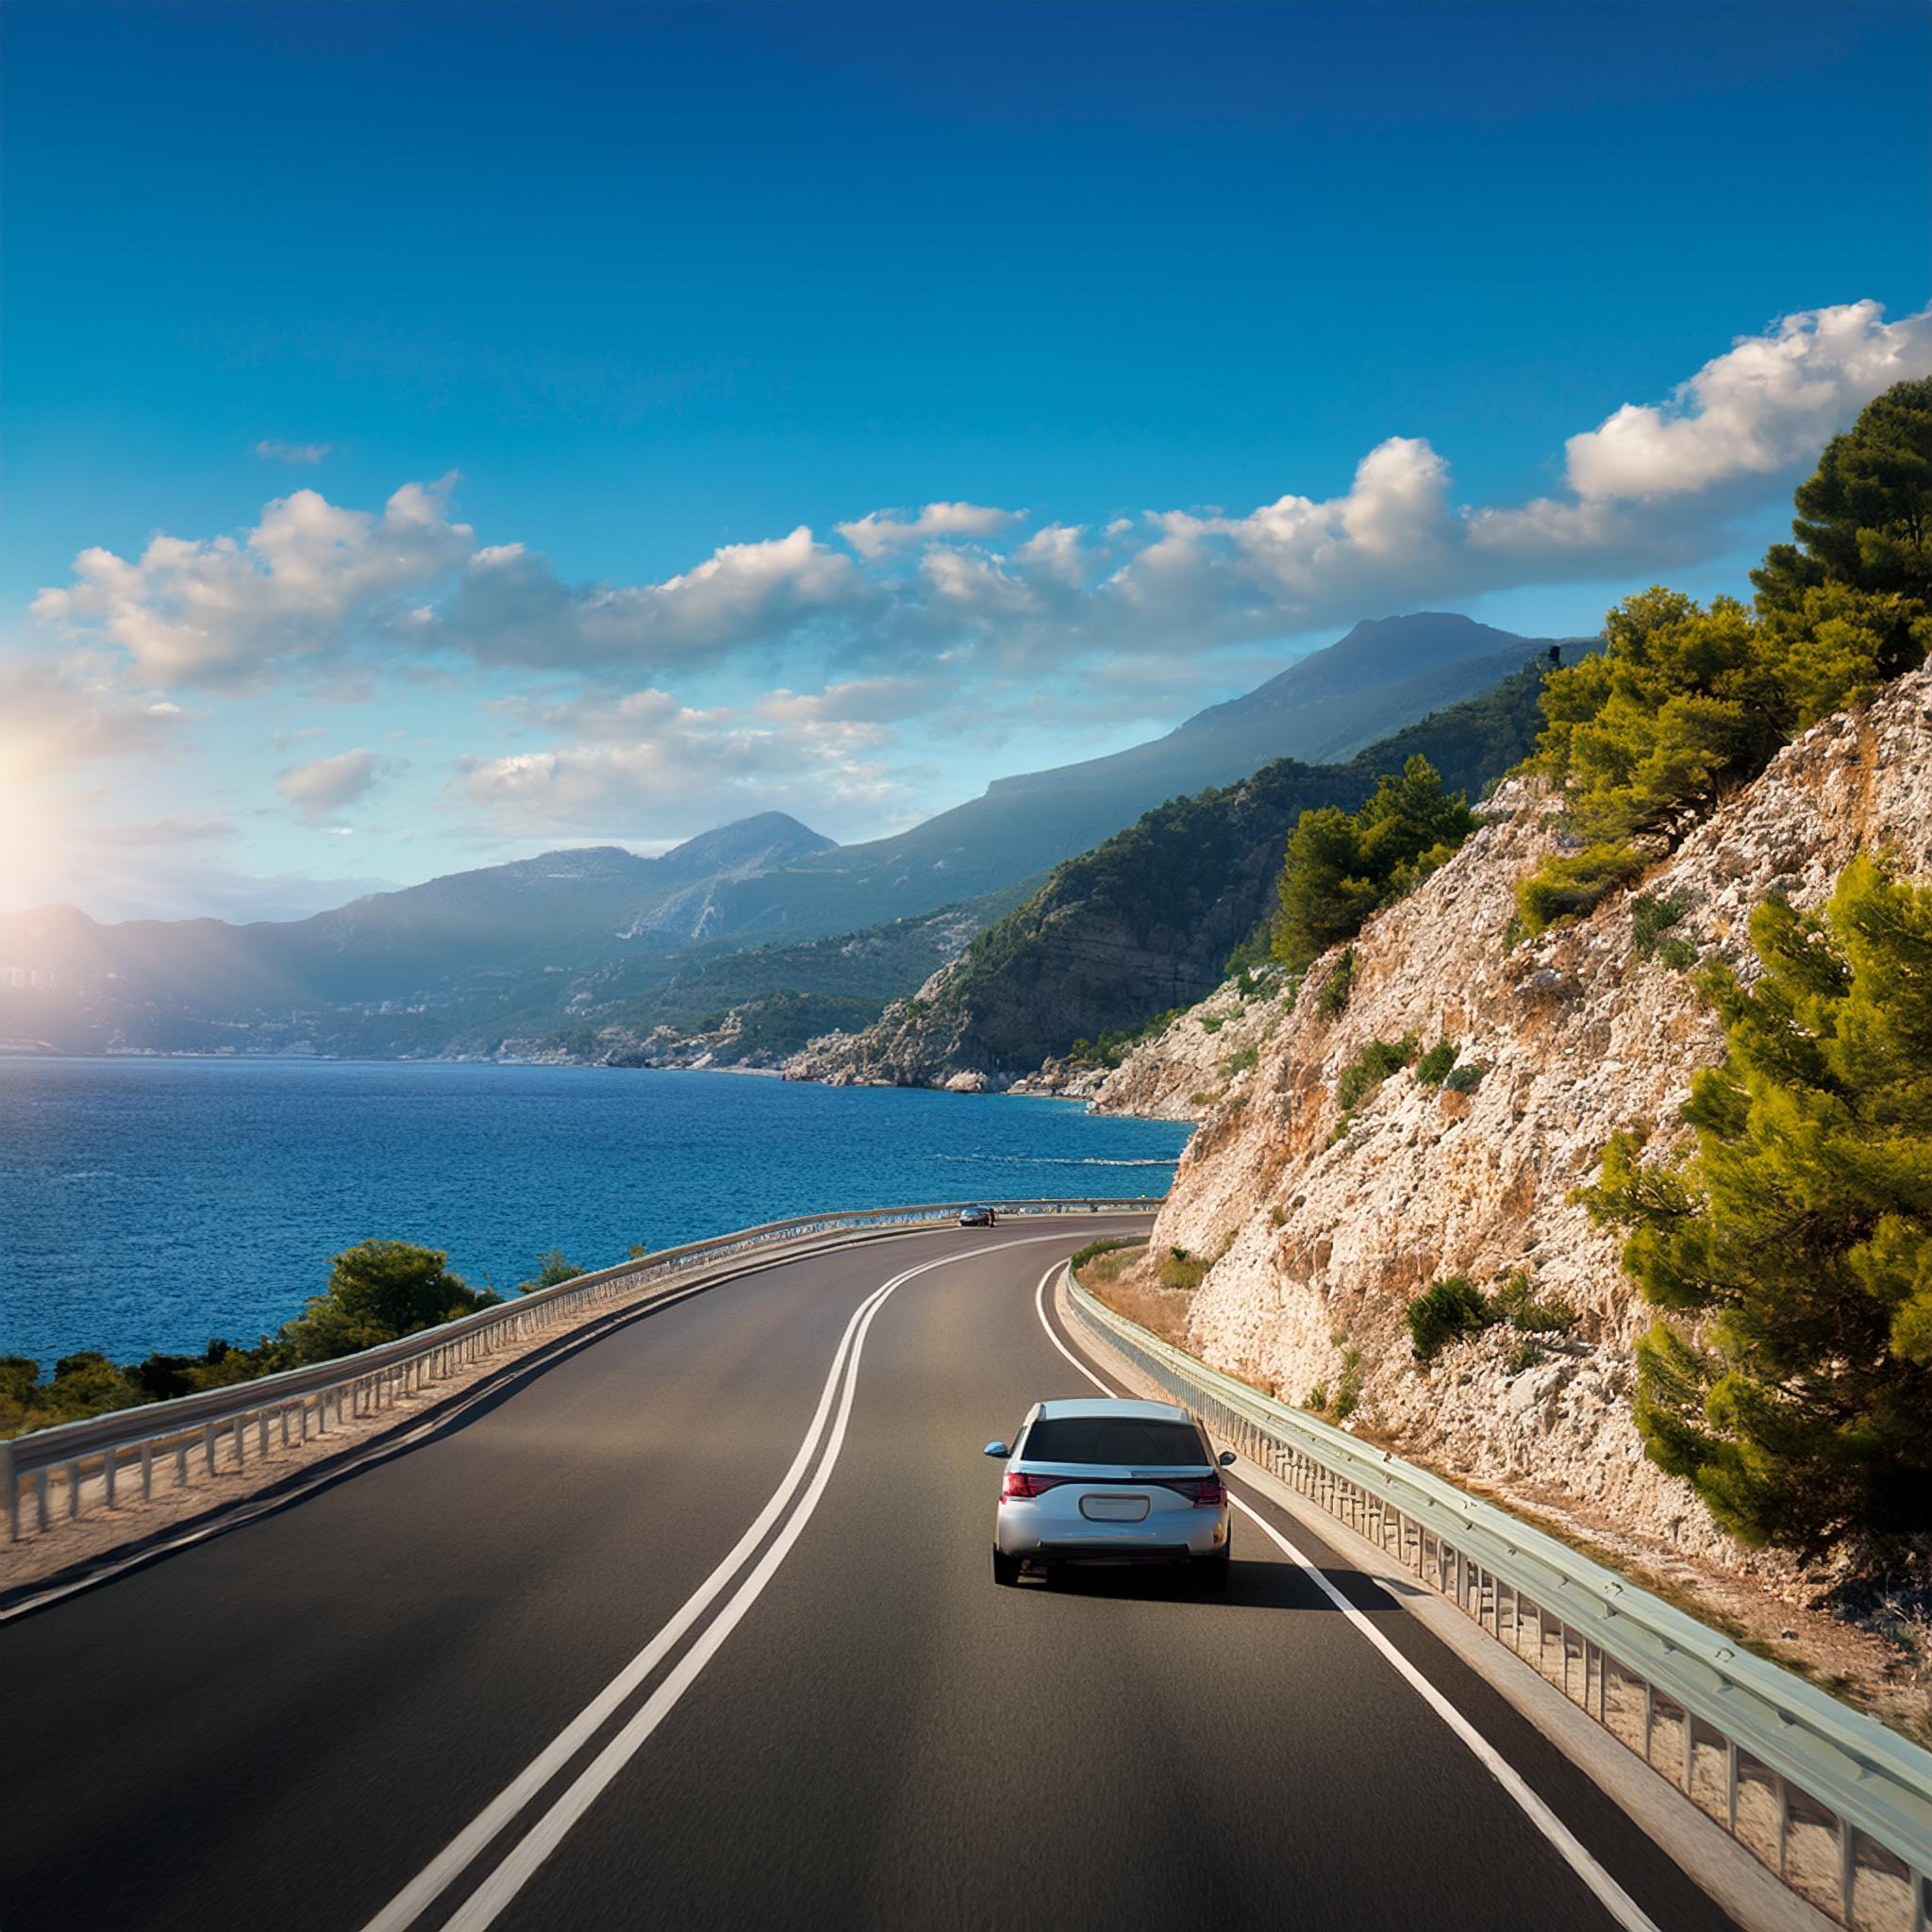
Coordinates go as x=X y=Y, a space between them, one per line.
x=742 y=1546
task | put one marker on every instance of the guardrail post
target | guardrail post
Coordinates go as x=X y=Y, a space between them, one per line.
x=240 y=1436
x=208 y=1444
x=40 y=1500
x=147 y=1470
x=109 y=1468
x=12 y=1482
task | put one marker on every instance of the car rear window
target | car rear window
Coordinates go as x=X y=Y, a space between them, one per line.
x=1138 y=1442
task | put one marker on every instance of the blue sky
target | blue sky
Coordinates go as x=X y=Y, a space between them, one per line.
x=1205 y=331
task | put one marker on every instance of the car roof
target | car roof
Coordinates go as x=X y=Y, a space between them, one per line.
x=1151 y=1411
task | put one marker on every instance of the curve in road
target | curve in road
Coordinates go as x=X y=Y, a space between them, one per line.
x=696 y=1628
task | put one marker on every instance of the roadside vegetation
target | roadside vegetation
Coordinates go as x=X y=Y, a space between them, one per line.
x=1455 y=1307
x=1789 y=1375
x=378 y=1290
x=1112 y=1271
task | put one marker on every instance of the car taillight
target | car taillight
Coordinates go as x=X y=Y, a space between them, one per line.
x=1204 y=1493
x=1019 y=1485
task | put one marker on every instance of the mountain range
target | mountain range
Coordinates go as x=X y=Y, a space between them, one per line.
x=1146 y=922
x=506 y=946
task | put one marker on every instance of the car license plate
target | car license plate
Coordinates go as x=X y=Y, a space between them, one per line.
x=1114 y=1508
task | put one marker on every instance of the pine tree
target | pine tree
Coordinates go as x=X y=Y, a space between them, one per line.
x=1341 y=865
x=1789 y=1377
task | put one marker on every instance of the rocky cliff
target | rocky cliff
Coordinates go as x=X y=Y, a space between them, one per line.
x=1324 y=1224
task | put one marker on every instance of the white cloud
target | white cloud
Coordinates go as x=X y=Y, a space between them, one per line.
x=510 y=607
x=325 y=786
x=274 y=450
x=858 y=701
x=1651 y=486
x=1764 y=408
x=297 y=586
x=881 y=530
x=641 y=767
x=59 y=714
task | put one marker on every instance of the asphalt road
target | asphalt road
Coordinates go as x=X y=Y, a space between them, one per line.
x=292 y=1725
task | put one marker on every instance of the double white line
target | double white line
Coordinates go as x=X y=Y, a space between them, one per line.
x=517 y=1867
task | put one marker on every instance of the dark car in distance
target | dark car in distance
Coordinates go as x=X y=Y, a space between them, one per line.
x=976 y=1216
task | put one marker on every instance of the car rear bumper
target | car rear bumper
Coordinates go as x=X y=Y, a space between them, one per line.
x=1160 y=1540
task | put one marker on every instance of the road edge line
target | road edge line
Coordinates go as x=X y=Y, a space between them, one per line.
x=1571 y=1849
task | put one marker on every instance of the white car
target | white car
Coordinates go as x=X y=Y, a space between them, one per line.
x=1111 y=1482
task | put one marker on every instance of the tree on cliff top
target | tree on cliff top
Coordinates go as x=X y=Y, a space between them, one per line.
x=1865 y=514
x=1341 y=865
x=1687 y=701
x=1790 y=1377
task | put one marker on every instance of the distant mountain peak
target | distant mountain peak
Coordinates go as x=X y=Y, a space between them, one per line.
x=753 y=844
x=1376 y=653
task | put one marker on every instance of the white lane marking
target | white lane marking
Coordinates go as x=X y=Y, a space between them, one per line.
x=1039 y=1308
x=435 y=1878
x=1615 y=1900
x=483 y=1906
x=1611 y=1896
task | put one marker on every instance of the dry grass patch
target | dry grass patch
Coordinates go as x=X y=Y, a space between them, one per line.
x=1118 y=1275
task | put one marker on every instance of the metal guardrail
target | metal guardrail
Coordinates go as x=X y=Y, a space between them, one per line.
x=216 y=1425
x=1832 y=1802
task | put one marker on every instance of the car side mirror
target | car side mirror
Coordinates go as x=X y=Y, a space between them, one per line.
x=1226 y=1459
x=996 y=1449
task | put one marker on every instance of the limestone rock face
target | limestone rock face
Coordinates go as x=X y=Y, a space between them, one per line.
x=1199 y=1059
x=1323 y=1238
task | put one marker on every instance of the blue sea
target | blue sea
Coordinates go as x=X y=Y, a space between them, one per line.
x=153 y=1203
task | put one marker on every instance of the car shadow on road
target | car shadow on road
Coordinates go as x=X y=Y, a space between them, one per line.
x=1251 y=1586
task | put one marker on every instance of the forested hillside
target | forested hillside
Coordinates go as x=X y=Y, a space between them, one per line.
x=1146 y=922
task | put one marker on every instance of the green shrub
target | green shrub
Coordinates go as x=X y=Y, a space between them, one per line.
x=1333 y=996
x=378 y=1290
x=1517 y=1303
x=1573 y=887
x=1514 y=933
x=554 y=1267
x=1465 y=1078
x=1651 y=918
x=1444 y=1313
x=1526 y=1355
x=1433 y=1068
x=1178 y=1268
x=1678 y=955
x=1094 y=1250
x=1348 y=1387
x=1212 y=1023
x=1371 y=1067
x=1238 y=1063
